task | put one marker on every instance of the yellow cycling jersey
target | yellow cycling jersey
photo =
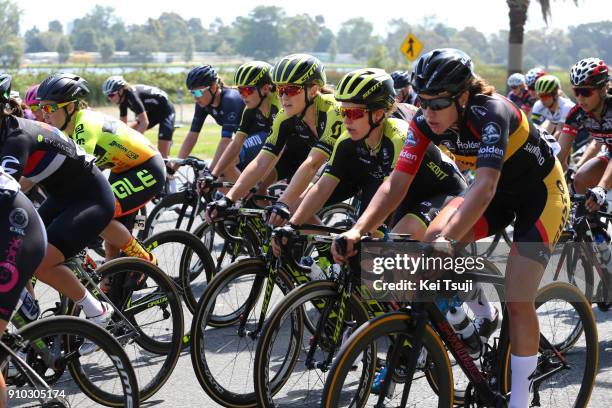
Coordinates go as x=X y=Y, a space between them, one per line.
x=114 y=144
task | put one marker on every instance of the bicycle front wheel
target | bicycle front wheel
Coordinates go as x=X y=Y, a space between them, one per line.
x=349 y=383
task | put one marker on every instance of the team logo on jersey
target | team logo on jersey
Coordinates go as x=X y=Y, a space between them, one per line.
x=491 y=133
x=411 y=139
x=7 y=162
x=232 y=116
x=18 y=218
x=448 y=144
x=479 y=110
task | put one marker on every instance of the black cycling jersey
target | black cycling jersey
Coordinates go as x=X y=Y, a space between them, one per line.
x=227 y=114
x=494 y=133
x=601 y=130
x=149 y=99
x=254 y=121
x=42 y=154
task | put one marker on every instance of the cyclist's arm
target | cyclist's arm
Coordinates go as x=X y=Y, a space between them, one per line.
x=591 y=151
x=142 y=122
x=124 y=119
x=229 y=155
x=188 y=144
x=565 y=141
x=475 y=202
x=606 y=180
x=302 y=177
x=257 y=170
x=221 y=148
x=26 y=185
x=388 y=197
x=315 y=198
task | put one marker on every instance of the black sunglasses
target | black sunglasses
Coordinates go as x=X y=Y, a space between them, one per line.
x=436 y=104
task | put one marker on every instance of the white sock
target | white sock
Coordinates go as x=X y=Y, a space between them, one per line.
x=90 y=305
x=522 y=368
x=482 y=308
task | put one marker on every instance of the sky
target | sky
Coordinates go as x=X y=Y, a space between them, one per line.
x=487 y=16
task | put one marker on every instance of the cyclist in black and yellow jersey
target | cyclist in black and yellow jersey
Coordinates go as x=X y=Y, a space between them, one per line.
x=137 y=169
x=254 y=82
x=517 y=178
x=302 y=138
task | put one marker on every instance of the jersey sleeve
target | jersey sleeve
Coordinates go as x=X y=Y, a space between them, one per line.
x=341 y=158
x=123 y=108
x=199 y=116
x=414 y=149
x=135 y=103
x=537 y=113
x=333 y=128
x=246 y=122
x=572 y=124
x=14 y=154
x=278 y=135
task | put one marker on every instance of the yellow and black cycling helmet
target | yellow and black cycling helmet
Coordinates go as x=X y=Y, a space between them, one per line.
x=299 y=69
x=254 y=73
x=547 y=84
x=372 y=87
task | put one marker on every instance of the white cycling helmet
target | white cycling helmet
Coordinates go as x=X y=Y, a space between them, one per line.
x=112 y=84
x=516 y=79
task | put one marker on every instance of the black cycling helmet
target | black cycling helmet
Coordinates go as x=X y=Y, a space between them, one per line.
x=204 y=75
x=442 y=70
x=299 y=69
x=62 y=87
x=5 y=87
x=401 y=79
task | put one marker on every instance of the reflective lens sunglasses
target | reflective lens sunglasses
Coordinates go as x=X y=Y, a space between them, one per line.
x=197 y=93
x=289 y=90
x=54 y=106
x=246 y=90
x=586 y=92
x=34 y=108
x=435 y=104
x=353 y=113
x=544 y=95
x=110 y=95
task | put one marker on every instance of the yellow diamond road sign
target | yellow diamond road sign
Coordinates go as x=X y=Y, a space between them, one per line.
x=411 y=47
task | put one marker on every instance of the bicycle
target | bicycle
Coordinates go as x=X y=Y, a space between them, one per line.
x=105 y=377
x=418 y=338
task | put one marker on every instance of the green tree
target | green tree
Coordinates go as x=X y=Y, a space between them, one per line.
x=141 y=46
x=326 y=36
x=189 y=48
x=332 y=50
x=380 y=58
x=33 y=41
x=302 y=33
x=9 y=19
x=518 y=16
x=85 y=40
x=595 y=36
x=175 y=32
x=355 y=36
x=55 y=27
x=261 y=33
x=11 y=52
x=64 y=48
x=200 y=37
x=106 y=48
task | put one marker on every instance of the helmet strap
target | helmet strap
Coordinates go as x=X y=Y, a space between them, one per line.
x=213 y=94
x=308 y=102
x=68 y=118
x=373 y=125
x=261 y=97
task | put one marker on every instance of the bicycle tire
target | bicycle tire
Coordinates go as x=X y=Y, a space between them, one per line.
x=168 y=351
x=165 y=205
x=383 y=327
x=219 y=390
x=570 y=295
x=194 y=249
x=294 y=302
x=69 y=326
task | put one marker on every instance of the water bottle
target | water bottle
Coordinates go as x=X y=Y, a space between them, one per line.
x=445 y=304
x=28 y=311
x=466 y=330
x=316 y=273
x=602 y=242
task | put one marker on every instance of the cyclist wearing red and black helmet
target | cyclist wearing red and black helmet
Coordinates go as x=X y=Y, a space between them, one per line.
x=517 y=178
x=593 y=112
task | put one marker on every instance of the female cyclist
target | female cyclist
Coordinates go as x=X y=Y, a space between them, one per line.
x=517 y=178
x=32 y=103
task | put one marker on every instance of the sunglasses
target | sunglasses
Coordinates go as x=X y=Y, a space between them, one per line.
x=289 y=90
x=586 y=92
x=246 y=90
x=197 y=93
x=54 y=106
x=516 y=87
x=435 y=104
x=353 y=113
x=110 y=95
x=544 y=95
x=34 y=108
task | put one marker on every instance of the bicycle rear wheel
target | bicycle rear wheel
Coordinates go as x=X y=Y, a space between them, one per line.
x=106 y=377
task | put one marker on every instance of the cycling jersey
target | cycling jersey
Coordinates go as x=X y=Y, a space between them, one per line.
x=149 y=99
x=495 y=134
x=227 y=114
x=42 y=154
x=115 y=145
x=523 y=101
x=294 y=138
x=601 y=131
x=540 y=113
x=254 y=121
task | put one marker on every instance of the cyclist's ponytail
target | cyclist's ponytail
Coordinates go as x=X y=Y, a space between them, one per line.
x=12 y=108
x=478 y=85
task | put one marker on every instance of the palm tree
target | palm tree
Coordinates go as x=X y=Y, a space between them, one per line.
x=518 y=17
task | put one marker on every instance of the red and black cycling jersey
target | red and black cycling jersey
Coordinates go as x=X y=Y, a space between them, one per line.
x=601 y=130
x=144 y=98
x=493 y=133
x=42 y=154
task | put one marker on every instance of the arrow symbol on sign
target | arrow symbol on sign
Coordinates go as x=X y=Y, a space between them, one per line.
x=410 y=50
